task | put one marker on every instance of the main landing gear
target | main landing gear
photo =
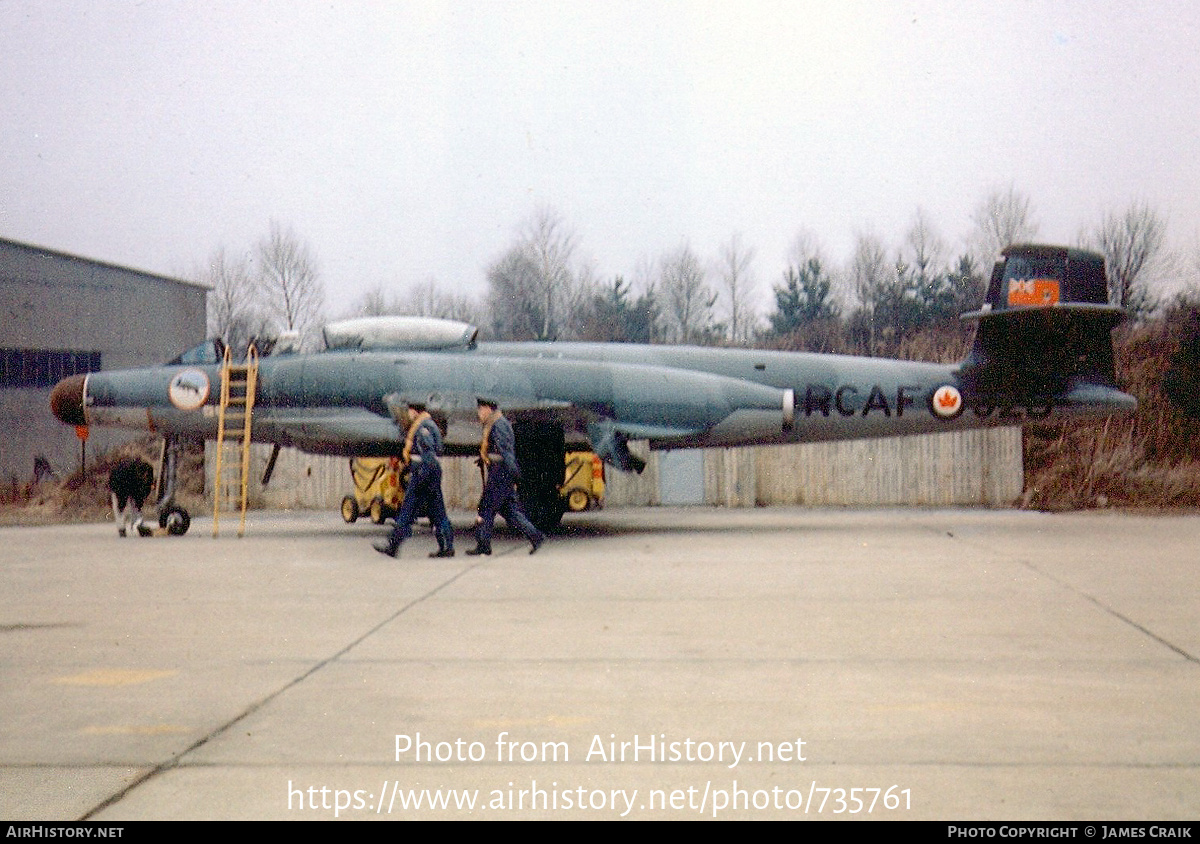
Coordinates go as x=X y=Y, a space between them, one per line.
x=540 y=452
x=171 y=516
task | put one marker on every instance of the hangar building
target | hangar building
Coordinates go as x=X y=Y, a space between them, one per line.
x=62 y=315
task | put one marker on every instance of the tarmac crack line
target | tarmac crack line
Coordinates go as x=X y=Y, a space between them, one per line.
x=1097 y=603
x=174 y=761
x=1113 y=612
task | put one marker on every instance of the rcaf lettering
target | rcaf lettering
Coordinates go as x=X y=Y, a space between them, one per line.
x=850 y=400
x=847 y=400
x=842 y=393
x=876 y=401
x=817 y=398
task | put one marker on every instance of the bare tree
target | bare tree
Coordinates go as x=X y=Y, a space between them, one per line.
x=293 y=296
x=515 y=313
x=425 y=299
x=551 y=245
x=937 y=290
x=686 y=298
x=1001 y=220
x=374 y=302
x=533 y=289
x=428 y=299
x=1132 y=244
x=805 y=247
x=925 y=250
x=872 y=276
x=733 y=267
x=233 y=312
x=869 y=266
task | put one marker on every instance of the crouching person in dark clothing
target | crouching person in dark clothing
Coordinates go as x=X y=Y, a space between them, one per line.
x=422 y=447
x=129 y=483
x=498 y=458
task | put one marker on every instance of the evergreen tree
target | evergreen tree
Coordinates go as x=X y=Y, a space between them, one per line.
x=804 y=296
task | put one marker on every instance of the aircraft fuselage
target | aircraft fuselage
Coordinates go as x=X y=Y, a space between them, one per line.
x=337 y=402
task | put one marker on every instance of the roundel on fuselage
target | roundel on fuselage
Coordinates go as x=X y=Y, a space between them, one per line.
x=946 y=402
x=188 y=390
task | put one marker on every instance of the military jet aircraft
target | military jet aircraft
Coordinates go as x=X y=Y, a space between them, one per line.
x=1042 y=351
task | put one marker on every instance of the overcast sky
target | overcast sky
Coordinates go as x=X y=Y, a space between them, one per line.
x=404 y=141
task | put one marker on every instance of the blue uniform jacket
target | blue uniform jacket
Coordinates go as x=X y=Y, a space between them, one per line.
x=502 y=442
x=426 y=446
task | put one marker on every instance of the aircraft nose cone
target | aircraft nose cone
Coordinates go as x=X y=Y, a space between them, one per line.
x=66 y=400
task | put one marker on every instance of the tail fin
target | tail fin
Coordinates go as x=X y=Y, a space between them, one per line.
x=1045 y=327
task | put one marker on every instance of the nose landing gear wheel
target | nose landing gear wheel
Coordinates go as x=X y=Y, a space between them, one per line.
x=176 y=520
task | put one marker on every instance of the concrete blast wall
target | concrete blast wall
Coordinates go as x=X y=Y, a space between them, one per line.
x=981 y=467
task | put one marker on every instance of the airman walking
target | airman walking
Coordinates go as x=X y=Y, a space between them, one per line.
x=498 y=459
x=422 y=447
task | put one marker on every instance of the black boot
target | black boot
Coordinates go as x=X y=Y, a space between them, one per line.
x=390 y=548
x=445 y=544
x=482 y=547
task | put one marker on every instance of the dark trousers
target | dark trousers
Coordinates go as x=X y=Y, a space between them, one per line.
x=500 y=498
x=424 y=488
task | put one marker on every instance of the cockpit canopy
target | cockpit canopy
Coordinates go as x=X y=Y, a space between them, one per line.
x=399 y=332
x=209 y=352
x=212 y=351
x=361 y=333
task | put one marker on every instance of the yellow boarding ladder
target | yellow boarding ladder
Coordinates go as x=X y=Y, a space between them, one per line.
x=238 y=386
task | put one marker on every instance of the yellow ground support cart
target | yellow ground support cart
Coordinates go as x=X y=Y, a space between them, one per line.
x=377 y=490
x=583 y=482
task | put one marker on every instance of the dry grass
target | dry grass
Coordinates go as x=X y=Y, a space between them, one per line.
x=84 y=496
x=1150 y=459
